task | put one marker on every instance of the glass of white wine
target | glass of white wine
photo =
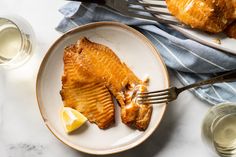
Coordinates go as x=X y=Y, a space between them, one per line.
x=17 y=41
x=219 y=129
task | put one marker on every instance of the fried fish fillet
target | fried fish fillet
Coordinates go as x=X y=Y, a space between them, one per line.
x=208 y=15
x=96 y=69
x=134 y=113
x=85 y=93
x=234 y=5
x=101 y=62
x=230 y=31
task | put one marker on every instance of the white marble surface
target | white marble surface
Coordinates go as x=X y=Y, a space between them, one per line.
x=22 y=131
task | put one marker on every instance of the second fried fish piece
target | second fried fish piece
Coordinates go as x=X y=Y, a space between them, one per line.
x=230 y=31
x=208 y=15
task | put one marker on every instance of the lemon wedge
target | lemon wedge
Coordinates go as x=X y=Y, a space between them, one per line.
x=71 y=119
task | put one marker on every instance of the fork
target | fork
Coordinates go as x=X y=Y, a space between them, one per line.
x=141 y=9
x=170 y=94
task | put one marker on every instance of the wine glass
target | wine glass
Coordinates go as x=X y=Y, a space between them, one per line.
x=17 y=41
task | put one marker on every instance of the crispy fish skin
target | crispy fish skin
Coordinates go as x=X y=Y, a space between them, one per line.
x=103 y=63
x=230 y=31
x=82 y=91
x=92 y=100
x=208 y=15
x=96 y=67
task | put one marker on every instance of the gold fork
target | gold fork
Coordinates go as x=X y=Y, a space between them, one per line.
x=170 y=94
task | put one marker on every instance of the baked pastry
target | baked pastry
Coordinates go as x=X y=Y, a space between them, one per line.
x=208 y=15
x=91 y=72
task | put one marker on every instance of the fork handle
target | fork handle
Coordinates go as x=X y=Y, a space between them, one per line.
x=226 y=77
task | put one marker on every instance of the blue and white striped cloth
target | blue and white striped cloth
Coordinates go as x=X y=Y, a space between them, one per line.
x=190 y=60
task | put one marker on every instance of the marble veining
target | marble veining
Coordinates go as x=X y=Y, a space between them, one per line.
x=25 y=149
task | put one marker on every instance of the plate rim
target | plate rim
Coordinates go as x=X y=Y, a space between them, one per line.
x=209 y=43
x=42 y=67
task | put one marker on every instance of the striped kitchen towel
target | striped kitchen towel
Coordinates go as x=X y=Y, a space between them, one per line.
x=190 y=60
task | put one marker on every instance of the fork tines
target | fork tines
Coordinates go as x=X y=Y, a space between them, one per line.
x=155 y=97
x=152 y=10
x=159 y=7
x=144 y=4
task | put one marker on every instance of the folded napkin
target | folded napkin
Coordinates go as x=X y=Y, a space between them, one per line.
x=190 y=60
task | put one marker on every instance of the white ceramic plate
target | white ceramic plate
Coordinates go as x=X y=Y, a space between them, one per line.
x=227 y=44
x=132 y=48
